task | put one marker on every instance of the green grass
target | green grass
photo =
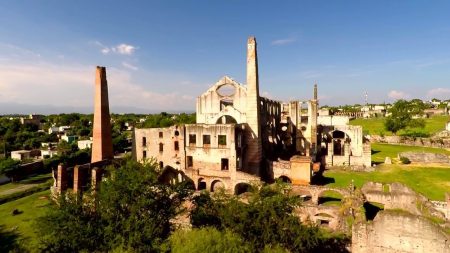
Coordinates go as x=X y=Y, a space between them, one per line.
x=376 y=125
x=30 y=181
x=380 y=151
x=330 y=198
x=432 y=182
x=32 y=207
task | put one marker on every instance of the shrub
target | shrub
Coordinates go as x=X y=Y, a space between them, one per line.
x=405 y=160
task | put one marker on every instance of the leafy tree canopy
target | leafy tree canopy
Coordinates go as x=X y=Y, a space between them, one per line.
x=132 y=211
x=402 y=113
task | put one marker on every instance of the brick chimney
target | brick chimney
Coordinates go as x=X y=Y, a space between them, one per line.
x=254 y=151
x=102 y=142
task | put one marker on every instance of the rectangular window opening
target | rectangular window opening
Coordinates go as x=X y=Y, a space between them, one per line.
x=224 y=164
x=161 y=147
x=144 y=141
x=190 y=162
x=206 y=140
x=160 y=134
x=222 y=141
x=144 y=154
x=176 y=146
x=192 y=140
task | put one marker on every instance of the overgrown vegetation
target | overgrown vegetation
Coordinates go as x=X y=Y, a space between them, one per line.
x=134 y=212
x=265 y=221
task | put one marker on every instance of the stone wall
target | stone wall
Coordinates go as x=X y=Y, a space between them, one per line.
x=421 y=157
x=398 y=231
x=410 y=141
x=393 y=196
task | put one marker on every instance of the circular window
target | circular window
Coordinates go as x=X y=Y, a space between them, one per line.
x=226 y=90
x=177 y=133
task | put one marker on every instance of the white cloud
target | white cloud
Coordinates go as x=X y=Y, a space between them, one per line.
x=280 y=42
x=123 y=48
x=129 y=66
x=394 y=94
x=73 y=85
x=105 y=50
x=440 y=93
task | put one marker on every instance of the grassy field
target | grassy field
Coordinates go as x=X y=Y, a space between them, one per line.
x=380 y=151
x=432 y=182
x=32 y=206
x=376 y=125
x=25 y=183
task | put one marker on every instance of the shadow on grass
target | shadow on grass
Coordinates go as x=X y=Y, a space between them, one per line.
x=373 y=152
x=9 y=240
x=36 y=179
x=322 y=180
x=323 y=200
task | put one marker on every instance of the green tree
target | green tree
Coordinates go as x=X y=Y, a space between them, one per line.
x=208 y=240
x=132 y=211
x=265 y=220
x=402 y=113
x=9 y=167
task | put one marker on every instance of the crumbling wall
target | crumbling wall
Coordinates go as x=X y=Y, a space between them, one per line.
x=392 y=196
x=421 y=157
x=435 y=142
x=398 y=231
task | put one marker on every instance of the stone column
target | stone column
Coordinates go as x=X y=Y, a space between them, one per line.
x=253 y=131
x=62 y=179
x=346 y=149
x=102 y=141
x=312 y=115
x=96 y=177
x=79 y=179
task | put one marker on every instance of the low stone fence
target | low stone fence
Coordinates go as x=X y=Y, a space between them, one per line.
x=422 y=157
x=410 y=141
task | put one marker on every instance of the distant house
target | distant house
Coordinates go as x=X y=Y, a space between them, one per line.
x=25 y=154
x=49 y=145
x=48 y=153
x=432 y=112
x=32 y=119
x=69 y=138
x=58 y=129
x=84 y=144
x=20 y=154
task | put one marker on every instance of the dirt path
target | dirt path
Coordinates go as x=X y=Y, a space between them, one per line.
x=17 y=189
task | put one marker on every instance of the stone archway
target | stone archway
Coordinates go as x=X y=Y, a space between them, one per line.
x=226 y=119
x=242 y=188
x=285 y=179
x=216 y=185
x=201 y=184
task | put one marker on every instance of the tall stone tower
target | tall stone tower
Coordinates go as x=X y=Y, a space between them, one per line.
x=313 y=120
x=102 y=144
x=253 y=134
x=315 y=91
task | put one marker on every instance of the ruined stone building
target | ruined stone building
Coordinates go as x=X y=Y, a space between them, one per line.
x=240 y=137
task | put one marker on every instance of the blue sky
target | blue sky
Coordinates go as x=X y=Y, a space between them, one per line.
x=160 y=55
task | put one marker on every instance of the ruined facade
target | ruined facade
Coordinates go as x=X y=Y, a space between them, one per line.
x=240 y=137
